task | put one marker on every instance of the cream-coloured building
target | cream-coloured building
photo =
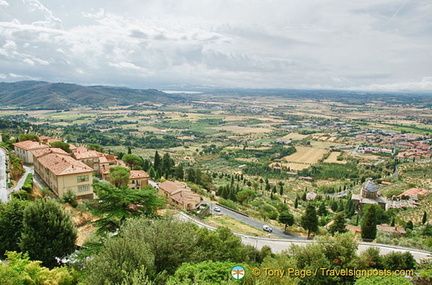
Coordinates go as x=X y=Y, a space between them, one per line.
x=180 y=194
x=62 y=173
x=93 y=158
x=24 y=150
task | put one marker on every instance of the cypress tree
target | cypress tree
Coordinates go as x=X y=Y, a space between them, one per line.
x=338 y=225
x=424 y=219
x=309 y=220
x=369 y=223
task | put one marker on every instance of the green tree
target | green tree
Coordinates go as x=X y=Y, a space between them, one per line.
x=62 y=145
x=132 y=161
x=11 y=219
x=424 y=218
x=206 y=272
x=119 y=176
x=244 y=196
x=48 y=232
x=399 y=261
x=309 y=220
x=167 y=165
x=287 y=219
x=338 y=225
x=383 y=280
x=19 y=269
x=409 y=225
x=157 y=161
x=28 y=137
x=115 y=205
x=322 y=210
x=179 y=172
x=95 y=147
x=118 y=260
x=369 y=223
x=70 y=197
x=427 y=230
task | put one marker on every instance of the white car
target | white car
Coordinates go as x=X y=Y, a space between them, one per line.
x=217 y=209
x=267 y=228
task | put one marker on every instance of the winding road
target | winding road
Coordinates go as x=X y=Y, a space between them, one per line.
x=249 y=221
x=278 y=245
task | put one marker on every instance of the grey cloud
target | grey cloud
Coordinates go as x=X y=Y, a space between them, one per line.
x=138 y=34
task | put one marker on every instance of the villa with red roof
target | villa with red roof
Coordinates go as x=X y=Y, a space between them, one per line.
x=62 y=173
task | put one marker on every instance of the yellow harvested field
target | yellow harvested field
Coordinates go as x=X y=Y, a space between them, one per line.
x=306 y=155
x=294 y=136
x=243 y=130
x=333 y=158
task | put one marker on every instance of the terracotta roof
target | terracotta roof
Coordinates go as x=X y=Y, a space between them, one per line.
x=103 y=160
x=170 y=187
x=138 y=174
x=86 y=154
x=413 y=191
x=30 y=145
x=41 y=152
x=63 y=165
x=183 y=196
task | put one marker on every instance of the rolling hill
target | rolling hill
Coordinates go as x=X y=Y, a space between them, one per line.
x=60 y=96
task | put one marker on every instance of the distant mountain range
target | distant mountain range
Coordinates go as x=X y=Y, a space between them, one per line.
x=60 y=96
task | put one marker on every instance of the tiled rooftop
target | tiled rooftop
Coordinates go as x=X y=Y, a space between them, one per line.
x=138 y=174
x=30 y=145
x=63 y=165
x=41 y=152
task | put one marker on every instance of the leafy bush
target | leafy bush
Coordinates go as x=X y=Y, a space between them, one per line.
x=70 y=198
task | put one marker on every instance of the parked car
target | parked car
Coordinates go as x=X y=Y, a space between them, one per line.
x=267 y=228
x=217 y=209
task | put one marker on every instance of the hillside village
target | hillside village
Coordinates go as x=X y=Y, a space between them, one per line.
x=63 y=172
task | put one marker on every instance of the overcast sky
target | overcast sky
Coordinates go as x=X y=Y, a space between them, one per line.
x=329 y=44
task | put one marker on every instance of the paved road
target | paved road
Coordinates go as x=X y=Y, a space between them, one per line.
x=278 y=245
x=3 y=191
x=249 y=221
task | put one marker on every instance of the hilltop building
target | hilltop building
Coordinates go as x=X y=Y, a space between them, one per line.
x=368 y=195
x=24 y=150
x=180 y=194
x=62 y=173
x=93 y=158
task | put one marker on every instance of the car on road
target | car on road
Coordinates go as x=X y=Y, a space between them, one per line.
x=217 y=209
x=267 y=228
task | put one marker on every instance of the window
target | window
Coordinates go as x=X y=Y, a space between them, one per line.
x=83 y=188
x=83 y=178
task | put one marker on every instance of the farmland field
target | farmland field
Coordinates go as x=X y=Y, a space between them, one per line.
x=333 y=158
x=306 y=155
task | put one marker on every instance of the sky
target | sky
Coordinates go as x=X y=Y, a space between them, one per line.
x=378 y=45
